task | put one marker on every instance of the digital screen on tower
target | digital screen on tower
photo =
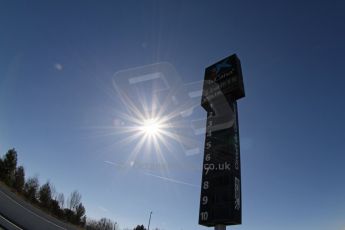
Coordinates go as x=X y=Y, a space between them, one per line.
x=220 y=199
x=223 y=78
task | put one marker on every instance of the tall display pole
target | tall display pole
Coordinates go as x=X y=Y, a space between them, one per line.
x=220 y=199
x=220 y=227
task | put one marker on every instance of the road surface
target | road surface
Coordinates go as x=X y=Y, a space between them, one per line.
x=17 y=214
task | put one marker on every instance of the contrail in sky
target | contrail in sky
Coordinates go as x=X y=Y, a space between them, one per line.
x=159 y=177
x=172 y=180
x=111 y=163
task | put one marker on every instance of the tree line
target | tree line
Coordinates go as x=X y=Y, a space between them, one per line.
x=43 y=196
x=46 y=198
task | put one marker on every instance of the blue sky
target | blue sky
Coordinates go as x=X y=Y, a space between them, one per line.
x=60 y=110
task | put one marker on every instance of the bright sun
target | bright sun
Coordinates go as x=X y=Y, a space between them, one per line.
x=148 y=128
x=151 y=127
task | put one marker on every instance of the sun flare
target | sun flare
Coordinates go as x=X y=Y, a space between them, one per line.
x=151 y=127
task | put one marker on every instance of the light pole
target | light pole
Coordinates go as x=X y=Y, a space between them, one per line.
x=148 y=227
x=220 y=227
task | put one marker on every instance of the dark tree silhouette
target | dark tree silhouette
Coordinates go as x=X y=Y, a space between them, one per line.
x=45 y=195
x=102 y=224
x=61 y=200
x=1 y=169
x=74 y=200
x=19 y=179
x=91 y=224
x=69 y=215
x=9 y=166
x=83 y=222
x=30 y=189
x=55 y=208
x=105 y=224
x=140 y=227
x=79 y=213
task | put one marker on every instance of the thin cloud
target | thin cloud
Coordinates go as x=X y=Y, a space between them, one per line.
x=117 y=165
x=110 y=163
x=103 y=209
x=167 y=179
x=172 y=180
